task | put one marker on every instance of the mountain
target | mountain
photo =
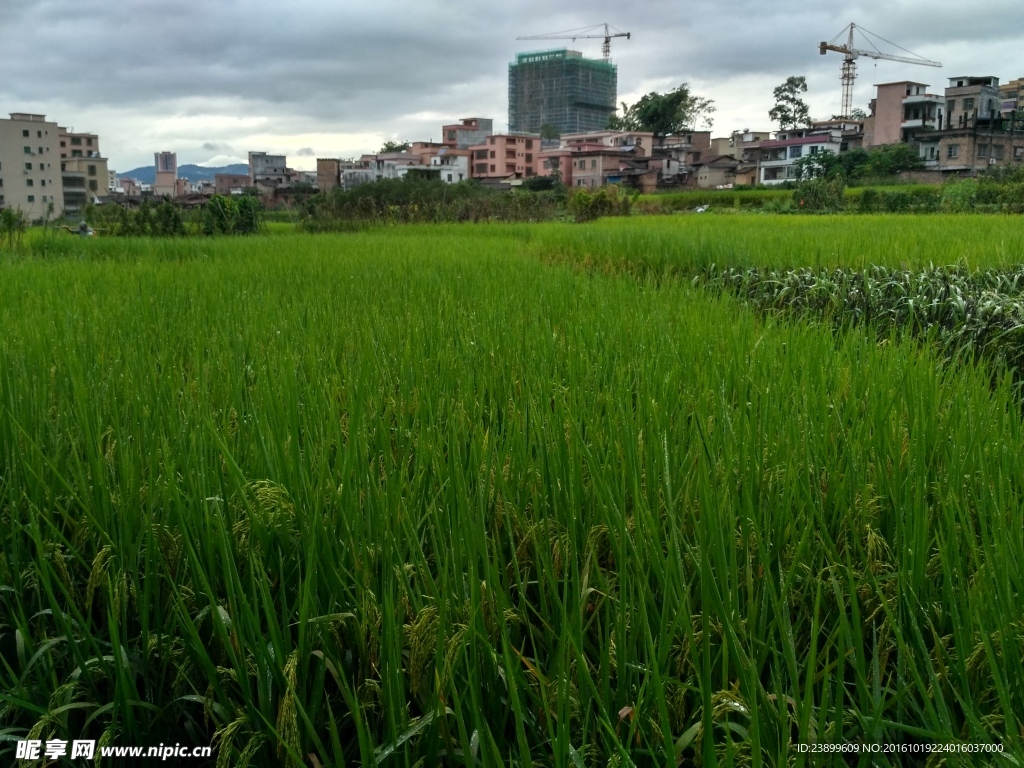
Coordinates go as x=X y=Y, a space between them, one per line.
x=147 y=174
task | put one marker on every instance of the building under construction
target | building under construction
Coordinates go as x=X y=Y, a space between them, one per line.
x=562 y=89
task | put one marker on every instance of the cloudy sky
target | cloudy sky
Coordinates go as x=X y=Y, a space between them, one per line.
x=336 y=78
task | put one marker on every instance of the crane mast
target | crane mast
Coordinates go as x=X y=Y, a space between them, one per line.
x=848 y=70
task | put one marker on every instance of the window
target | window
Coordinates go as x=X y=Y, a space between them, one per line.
x=1 y=199
x=952 y=151
x=42 y=182
x=968 y=105
x=814 y=150
x=950 y=105
x=1018 y=153
x=492 y=152
x=92 y=184
x=983 y=150
x=492 y=168
x=39 y=134
x=76 y=153
x=529 y=157
x=997 y=151
x=29 y=182
x=529 y=143
x=63 y=144
x=31 y=198
x=41 y=167
x=28 y=166
x=25 y=132
x=28 y=150
x=92 y=170
x=795 y=152
x=76 y=141
x=593 y=163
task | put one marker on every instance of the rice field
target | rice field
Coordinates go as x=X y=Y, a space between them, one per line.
x=505 y=495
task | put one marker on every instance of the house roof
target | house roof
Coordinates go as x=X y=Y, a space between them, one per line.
x=814 y=138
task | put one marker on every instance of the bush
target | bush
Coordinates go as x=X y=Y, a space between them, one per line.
x=959 y=196
x=606 y=201
x=821 y=194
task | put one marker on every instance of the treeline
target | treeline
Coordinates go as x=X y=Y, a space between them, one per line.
x=414 y=199
x=222 y=215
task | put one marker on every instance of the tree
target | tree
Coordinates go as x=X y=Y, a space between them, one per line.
x=548 y=131
x=790 y=111
x=665 y=114
x=891 y=159
x=394 y=146
x=855 y=114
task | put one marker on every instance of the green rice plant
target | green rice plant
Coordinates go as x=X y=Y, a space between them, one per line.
x=412 y=496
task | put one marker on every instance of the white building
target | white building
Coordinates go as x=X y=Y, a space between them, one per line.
x=453 y=165
x=779 y=156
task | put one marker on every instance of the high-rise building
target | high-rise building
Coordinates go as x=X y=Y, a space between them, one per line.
x=562 y=89
x=166 y=182
x=30 y=176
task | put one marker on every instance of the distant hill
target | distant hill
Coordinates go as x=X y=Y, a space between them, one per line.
x=147 y=174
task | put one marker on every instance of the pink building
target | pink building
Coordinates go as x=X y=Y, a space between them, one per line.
x=557 y=160
x=467 y=132
x=506 y=155
x=899 y=110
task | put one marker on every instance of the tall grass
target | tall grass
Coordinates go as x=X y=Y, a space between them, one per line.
x=412 y=496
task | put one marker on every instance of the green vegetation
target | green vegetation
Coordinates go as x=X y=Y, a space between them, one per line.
x=790 y=110
x=492 y=494
x=665 y=114
x=221 y=215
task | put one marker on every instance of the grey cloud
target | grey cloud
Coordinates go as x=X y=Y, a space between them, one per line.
x=306 y=152
x=370 y=68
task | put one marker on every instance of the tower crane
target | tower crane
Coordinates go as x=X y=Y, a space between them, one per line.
x=848 y=72
x=583 y=33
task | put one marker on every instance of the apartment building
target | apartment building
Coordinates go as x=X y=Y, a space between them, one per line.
x=503 y=156
x=30 y=176
x=1011 y=96
x=451 y=165
x=166 y=183
x=228 y=183
x=779 y=156
x=269 y=170
x=970 y=98
x=467 y=132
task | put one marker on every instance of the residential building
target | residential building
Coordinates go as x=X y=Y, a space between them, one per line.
x=111 y=181
x=613 y=157
x=503 y=156
x=899 y=111
x=1011 y=96
x=467 y=132
x=724 y=171
x=328 y=173
x=562 y=89
x=271 y=170
x=166 y=174
x=94 y=170
x=966 y=151
x=556 y=160
x=679 y=155
x=74 y=144
x=129 y=187
x=451 y=165
x=230 y=183
x=970 y=98
x=30 y=177
x=779 y=156
x=746 y=145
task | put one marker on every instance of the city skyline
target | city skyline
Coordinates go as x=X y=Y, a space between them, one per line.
x=213 y=83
